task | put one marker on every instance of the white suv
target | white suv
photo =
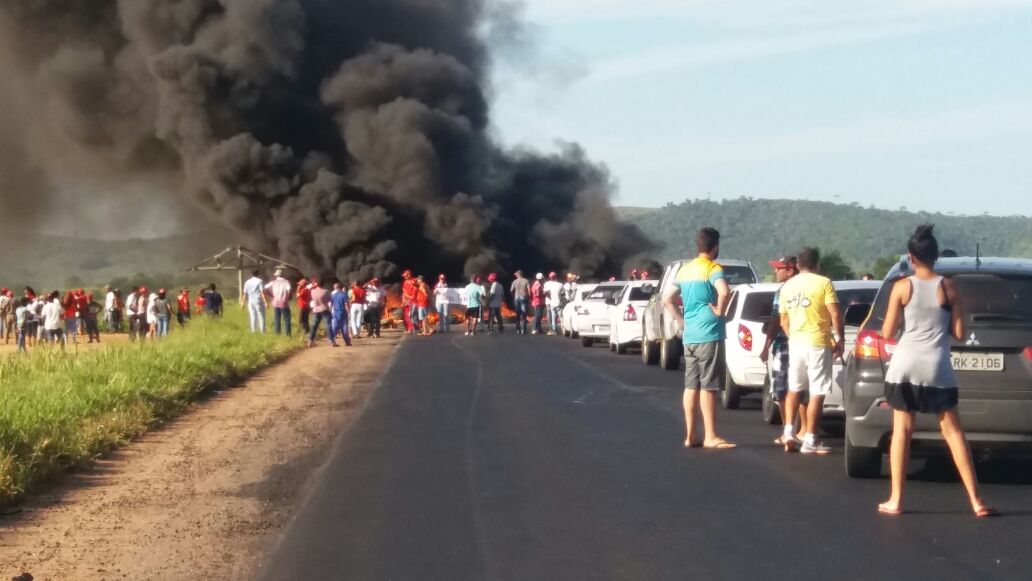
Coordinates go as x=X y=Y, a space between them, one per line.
x=624 y=312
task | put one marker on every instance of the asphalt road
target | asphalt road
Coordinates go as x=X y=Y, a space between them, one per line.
x=531 y=457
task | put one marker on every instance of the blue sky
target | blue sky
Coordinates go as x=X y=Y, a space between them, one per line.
x=923 y=104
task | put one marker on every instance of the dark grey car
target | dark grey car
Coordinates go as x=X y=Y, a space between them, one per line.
x=993 y=365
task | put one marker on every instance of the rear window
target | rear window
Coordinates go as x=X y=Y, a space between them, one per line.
x=584 y=294
x=988 y=298
x=739 y=275
x=641 y=293
x=858 y=296
x=603 y=293
x=758 y=307
x=991 y=298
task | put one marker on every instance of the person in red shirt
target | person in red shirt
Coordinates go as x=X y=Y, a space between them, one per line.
x=81 y=302
x=70 y=303
x=201 y=302
x=408 y=296
x=304 y=305
x=183 y=304
x=422 y=306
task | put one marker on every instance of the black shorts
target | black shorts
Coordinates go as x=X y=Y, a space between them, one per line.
x=926 y=400
x=473 y=313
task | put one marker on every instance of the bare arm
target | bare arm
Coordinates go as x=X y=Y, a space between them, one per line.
x=669 y=306
x=723 y=297
x=839 y=327
x=892 y=315
x=784 y=324
x=957 y=313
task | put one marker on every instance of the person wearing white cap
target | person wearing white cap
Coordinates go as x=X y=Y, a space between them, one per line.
x=537 y=301
x=279 y=289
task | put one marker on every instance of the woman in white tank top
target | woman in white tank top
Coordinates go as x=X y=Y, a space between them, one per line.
x=920 y=376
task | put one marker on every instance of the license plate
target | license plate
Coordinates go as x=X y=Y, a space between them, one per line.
x=601 y=328
x=977 y=361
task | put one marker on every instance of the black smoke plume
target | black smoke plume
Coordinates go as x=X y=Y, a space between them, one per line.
x=349 y=136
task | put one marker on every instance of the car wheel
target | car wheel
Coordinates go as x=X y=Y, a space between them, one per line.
x=612 y=345
x=771 y=413
x=862 y=462
x=731 y=395
x=670 y=354
x=587 y=341
x=574 y=334
x=649 y=353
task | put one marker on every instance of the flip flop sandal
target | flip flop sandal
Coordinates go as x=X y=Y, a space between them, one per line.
x=720 y=445
x=986 y=512
x=690 y=444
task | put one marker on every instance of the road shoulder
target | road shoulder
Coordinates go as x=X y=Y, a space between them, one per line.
x=207 y=495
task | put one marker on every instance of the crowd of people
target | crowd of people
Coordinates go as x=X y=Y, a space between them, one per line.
x=59 y=319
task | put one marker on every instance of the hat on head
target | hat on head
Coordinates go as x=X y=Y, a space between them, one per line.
x=406 y=274
x=551 y=274
x=440 y=276
x=492 y=277
x=539 y=276
x=784 y=262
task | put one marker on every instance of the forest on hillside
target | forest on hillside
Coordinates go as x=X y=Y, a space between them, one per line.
x=867 y=239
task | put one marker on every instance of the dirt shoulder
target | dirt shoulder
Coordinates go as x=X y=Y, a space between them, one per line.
x=207 y=495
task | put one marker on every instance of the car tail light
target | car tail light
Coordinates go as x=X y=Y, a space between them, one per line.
x=1028 y=353
x=871 y=345
x=744 y=337
x=630 y=314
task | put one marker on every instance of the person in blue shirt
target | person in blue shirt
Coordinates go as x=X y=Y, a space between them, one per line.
x=474 y=295
x=704 y=294
x=339 y=317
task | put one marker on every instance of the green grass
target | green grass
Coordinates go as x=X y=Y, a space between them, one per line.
x=59 y=410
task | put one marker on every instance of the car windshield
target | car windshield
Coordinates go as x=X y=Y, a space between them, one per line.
x=736 y=275
x=604 y=293
x=996 y=299
x=856 y=296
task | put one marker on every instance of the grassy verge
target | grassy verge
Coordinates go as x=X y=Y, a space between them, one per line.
x=59 y=409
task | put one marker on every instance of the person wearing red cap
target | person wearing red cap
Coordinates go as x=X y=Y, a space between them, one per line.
x=495 y=298
x=70 y=303
x=375 y=296
x=80 y=309
x=357 y=297
x=537 y=301
x=553 y=300
x=421 y=307
x=320 y=304
x=775 y=347
x=304 y=305
x=441 y=303
x=408 y=296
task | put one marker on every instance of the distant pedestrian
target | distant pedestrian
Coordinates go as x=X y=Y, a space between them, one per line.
x=90 y=315
x=161 y=309
x=537 y=301
x=183 y=308
x=131 y=314
x=441 y=302
x=279 y=290
x=71 y=317
x=53 y=319
x=213 y=302
x=520 y=290
x=704 y=293
x=254 y=294
x=408 y=297
x=422 y=307
x=152 y=316
x=375 y=298
x=474 y=294
x=920 y=377
x=868 y=276
x=320 y=310
x=356 y=314
x=21 y=317
x=304 y=305
x=553 y=301
x=201 y=303
x=7 y=315
x=809 y=312
x=109 y=308
x=495 y=300
x=339 y=317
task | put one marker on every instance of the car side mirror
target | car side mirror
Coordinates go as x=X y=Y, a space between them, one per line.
x=857 y=314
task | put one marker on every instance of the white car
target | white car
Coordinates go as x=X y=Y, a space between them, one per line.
x=749 y=308
x=850 y=292
x=569 y=313
x=593 y=313
x=625 y=310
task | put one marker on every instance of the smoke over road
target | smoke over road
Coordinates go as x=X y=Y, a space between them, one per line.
x=350 y=136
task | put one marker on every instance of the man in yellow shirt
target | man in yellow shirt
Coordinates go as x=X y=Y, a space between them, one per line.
x=809 y=311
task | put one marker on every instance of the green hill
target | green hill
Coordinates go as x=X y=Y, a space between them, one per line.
x=761 y=229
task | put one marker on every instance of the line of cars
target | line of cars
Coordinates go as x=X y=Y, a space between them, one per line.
x=993 y=364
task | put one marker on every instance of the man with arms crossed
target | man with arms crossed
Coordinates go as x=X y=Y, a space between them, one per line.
x=704 y=294
x=809 y=309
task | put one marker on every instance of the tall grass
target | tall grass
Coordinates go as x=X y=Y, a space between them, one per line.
x=60 y=409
